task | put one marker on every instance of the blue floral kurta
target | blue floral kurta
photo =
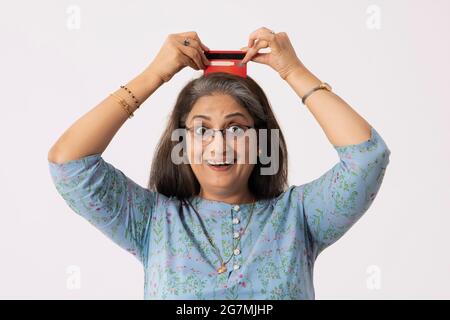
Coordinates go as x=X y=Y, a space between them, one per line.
x=277 y=252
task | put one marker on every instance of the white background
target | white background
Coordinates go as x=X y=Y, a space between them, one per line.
x=396 y=76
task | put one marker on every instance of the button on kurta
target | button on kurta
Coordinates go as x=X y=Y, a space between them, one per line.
x=236 y=251
x=236 y=208
x=235 y=221
x=236 y=266
x=236 y=235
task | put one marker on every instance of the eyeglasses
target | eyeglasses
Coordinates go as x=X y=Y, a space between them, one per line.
x=206 y=134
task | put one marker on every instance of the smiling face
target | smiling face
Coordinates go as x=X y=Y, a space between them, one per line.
x=220 y=111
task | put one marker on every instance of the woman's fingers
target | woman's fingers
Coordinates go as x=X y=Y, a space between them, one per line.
x=174 y=55
x=194 y=35
x=189 y=62
x=259 y=57
x=197 y=45
x=195 y=52
x=195 y=42
x=262 y=33
x=251 y=52
x=204 y=48
x=259 y=39
x=192 y=55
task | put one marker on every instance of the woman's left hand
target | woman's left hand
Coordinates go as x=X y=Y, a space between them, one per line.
x=282 y=57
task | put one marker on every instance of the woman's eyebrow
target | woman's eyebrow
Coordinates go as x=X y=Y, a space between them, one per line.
x=234 y=114
x=230 y=115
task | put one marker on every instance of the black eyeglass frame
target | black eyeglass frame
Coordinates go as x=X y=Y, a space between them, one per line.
x=223 y=131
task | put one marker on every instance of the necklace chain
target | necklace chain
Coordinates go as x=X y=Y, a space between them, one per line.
x=222 y=267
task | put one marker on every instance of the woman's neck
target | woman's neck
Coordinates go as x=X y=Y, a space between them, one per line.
x=234 y=198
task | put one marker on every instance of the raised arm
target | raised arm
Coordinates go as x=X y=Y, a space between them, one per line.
x=94 y=188
x=92 y=132
x=333 y=202
x=342 y=125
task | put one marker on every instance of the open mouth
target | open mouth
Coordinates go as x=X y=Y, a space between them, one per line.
x=219 y=166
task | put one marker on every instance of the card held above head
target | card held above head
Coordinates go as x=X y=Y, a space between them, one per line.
x=226 y=61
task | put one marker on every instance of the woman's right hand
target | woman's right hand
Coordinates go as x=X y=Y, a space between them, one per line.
x=174 y=55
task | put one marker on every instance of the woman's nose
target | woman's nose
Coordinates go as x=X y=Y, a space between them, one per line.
x=218 y=143
x=217 y=139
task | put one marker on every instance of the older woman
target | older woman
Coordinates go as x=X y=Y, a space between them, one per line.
x=220 y=228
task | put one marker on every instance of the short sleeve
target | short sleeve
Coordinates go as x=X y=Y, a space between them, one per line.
x=107 y=198
x=333 y=202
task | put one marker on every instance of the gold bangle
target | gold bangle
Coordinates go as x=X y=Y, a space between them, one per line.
x=323 y=85
x=124 y=104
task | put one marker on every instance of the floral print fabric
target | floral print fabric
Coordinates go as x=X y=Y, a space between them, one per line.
x=277 y=252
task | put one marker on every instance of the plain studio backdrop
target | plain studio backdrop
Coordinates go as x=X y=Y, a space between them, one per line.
x=388 y=59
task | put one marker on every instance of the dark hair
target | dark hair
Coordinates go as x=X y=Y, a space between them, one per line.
x=179 y=180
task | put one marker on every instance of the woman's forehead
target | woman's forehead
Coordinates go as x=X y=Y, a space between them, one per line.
x=218 y=107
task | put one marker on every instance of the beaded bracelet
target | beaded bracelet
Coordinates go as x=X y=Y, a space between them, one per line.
x=132 y=95
x=124 y=104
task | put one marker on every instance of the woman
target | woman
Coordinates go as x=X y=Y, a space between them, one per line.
x=210 y=230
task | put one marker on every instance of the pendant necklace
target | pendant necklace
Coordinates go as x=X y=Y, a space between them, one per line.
x=223 y=267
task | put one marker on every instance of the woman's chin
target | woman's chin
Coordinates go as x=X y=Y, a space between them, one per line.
x=221 y=178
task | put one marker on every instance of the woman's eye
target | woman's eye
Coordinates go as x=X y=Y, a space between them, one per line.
x=200 y=130
x=235 y=129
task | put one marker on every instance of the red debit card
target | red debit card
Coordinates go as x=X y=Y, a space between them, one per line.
x=226 y=61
